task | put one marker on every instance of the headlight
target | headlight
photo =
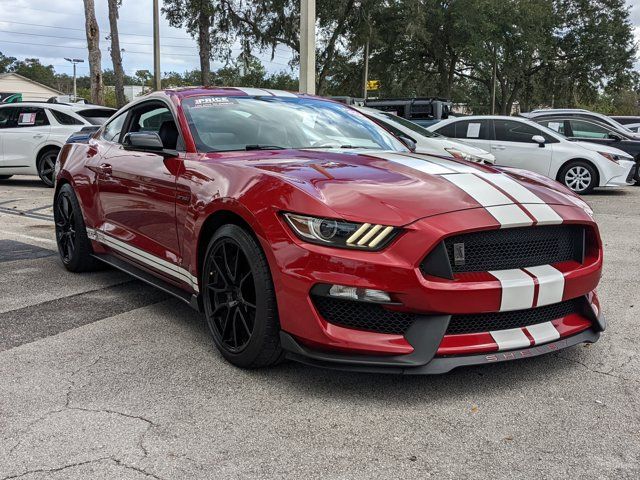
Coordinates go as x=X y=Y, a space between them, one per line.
x=469 y=157
x=610 y=156
x=339 y=233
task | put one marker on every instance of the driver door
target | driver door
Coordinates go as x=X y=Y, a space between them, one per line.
x=137 y=192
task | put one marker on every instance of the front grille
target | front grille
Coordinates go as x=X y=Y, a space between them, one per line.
x=363 y=316
x=515 y=248
x=485 y=322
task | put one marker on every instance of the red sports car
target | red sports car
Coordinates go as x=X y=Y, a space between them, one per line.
x=304 y=230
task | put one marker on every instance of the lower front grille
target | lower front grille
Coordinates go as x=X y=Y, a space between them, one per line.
x=485 y=322
x=363 y=316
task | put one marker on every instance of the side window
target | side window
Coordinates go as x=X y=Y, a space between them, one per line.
x=64 y=119
x=583 y=129
x=472 y=129
x=555 y=125
x=448 y=130
x=151 y=121
x=7 y=117
x=32 y=117
x=511 y=131
x=112 y=130
x=157 y=118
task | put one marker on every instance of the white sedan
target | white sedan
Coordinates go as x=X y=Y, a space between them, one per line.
x=32 y=134
x=426 y=141
x=521 y=143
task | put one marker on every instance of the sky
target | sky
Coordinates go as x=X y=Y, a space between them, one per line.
x=52 y=30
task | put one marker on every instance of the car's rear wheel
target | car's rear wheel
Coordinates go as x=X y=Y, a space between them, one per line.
x=579 y=176
x=47 y=166
x=239 y=299
x=71 y=233
x=5 y=177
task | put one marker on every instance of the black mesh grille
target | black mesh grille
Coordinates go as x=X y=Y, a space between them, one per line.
x=485 y=322
x=516 y=247
x=363 y=316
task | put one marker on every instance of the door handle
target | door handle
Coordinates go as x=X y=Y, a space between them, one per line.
x=39 y=135
x=498 y=147
x=104 y=169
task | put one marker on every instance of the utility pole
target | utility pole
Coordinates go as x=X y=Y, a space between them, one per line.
x=366 y=70
x=307 y=46
x=157 y=84
x=74 y=62
x=493 y=82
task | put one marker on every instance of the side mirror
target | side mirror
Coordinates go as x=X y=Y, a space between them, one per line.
x=539 y=139
x=409 y=142
x=146 y=142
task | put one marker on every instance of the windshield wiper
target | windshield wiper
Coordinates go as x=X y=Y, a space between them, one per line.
x=263 y=147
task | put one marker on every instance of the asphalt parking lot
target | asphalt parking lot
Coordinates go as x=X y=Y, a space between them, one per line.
x=102 y=377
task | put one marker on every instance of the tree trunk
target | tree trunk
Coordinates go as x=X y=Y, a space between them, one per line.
x=204 y=44
x=95 y=57
x=116 y=56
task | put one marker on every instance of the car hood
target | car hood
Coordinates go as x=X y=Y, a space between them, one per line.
x=598 y=147
x=399 y=188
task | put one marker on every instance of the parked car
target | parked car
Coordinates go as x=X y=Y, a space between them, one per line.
x=593 y=131
x=304 y=230
x=577 y=113
x=521 y=143
x=423 y=111
x=424 y=140
x=32 y=133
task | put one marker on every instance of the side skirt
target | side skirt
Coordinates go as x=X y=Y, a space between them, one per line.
x=193 y=300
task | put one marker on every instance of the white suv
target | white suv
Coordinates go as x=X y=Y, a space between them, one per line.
x=32 y=134
x=521 y=143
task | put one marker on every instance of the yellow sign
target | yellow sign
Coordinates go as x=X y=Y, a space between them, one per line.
x=373 y=85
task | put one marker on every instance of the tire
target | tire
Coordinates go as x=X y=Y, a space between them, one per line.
x=239 y=300
x=579 y=176
x=5 y=177
x=46 y=166
x=71 y=233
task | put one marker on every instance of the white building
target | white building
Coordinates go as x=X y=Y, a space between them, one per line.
x=30 y=91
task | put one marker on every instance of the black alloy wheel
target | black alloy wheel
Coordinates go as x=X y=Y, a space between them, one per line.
x=47 y=167
x=239 y=299
x=65 y=227
x=71 y=233
x=232 y=293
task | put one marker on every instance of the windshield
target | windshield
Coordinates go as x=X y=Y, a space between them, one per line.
x=268 y=123
x=414 y=127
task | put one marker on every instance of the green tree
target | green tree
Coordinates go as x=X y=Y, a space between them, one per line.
x=6 y=63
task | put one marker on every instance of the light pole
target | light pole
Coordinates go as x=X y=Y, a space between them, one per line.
x=74 y=61
x=157 y=85
x=308 y=46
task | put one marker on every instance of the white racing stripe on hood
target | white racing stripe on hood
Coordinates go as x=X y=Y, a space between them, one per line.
x=482 y=192
x=510 y=216
x=451 y=165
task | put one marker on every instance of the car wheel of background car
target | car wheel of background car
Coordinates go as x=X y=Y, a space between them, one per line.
x=239 y=299
x=71 y=233
x=5 y=177
x=579 y=176
x=47 y=166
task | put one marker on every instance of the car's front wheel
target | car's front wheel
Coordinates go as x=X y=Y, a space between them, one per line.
x=579 y=176
x=46 y=165
x=71 y=233
x=239 y=299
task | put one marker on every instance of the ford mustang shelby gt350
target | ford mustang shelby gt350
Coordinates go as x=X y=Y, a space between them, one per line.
x=304 y=230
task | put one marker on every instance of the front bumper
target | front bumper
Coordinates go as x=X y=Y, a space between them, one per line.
x=425 y=347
